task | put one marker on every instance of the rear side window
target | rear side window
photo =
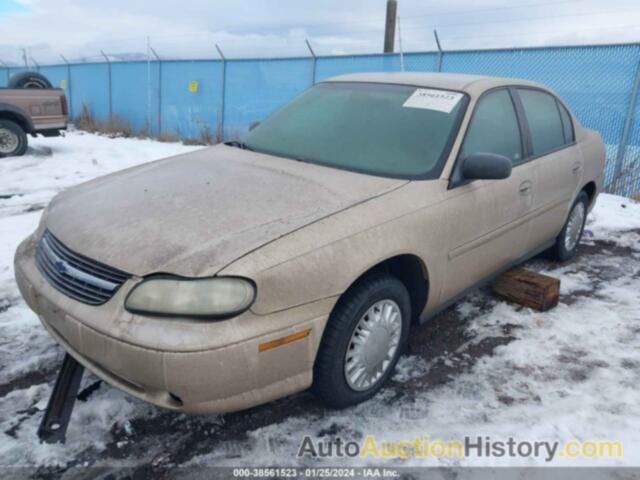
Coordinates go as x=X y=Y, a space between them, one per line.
x=545 y=124
x=494 y=128
x=567 y=124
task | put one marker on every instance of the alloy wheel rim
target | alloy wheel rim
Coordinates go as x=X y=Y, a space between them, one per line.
x=574 y=227
x=373 y=345
x=8 y=141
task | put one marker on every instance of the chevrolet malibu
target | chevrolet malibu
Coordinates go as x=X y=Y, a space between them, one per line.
x=302 y=255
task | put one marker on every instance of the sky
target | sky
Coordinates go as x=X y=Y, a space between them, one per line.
x=80 y=29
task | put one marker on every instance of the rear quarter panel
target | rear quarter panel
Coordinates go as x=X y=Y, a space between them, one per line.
x=594 y=155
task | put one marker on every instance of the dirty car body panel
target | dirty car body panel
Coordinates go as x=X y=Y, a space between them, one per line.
x=303 y=234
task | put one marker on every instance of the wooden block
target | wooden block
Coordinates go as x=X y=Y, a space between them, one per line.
x=528 y=288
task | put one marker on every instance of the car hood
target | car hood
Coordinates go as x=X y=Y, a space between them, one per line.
x=194 y=214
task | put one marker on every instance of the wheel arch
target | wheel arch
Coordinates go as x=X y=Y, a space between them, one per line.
x=590 y=189
x=411 y=270
x=17 y=115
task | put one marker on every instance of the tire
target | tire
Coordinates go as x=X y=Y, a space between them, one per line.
x=29 y=80
x=13 y=139
x=567 y=242
x=383 y=293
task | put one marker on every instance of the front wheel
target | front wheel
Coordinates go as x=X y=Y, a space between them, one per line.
x=362 y=342
x=13 y=139
x=567 y=242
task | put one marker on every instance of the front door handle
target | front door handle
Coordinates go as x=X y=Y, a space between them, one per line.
x=525 y=187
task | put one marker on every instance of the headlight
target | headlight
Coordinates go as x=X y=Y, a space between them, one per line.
x=206 y=298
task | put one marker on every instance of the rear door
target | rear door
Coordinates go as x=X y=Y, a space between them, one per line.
x=556 y=158
x=488 y=219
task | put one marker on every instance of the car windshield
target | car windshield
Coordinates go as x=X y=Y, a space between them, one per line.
x=388 y=130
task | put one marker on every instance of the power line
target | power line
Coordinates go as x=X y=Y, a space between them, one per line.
x=528 y=19
x=494 y=9
x=630 y=26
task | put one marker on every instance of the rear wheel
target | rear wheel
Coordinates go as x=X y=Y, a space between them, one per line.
x=567 y=242
x=13 y=139
x=362 y=342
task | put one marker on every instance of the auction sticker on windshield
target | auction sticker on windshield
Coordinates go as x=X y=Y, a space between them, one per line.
x=430 y=99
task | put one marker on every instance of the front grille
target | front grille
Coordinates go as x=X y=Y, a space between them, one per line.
x=75 y=275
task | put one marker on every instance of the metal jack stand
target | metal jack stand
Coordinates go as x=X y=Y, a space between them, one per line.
x=53 y=427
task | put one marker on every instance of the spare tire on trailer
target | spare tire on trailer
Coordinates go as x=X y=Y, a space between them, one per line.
x=28 y=80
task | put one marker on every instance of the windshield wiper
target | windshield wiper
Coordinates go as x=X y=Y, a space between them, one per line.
x=238 y=144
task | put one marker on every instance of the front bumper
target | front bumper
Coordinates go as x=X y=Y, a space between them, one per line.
x=188 y=366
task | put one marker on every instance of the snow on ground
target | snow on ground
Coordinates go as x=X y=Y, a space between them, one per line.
x=483 y=367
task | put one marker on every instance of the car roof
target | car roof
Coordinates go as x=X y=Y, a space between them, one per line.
x=474 y=85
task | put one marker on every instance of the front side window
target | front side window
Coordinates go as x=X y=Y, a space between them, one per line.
x=494 y=128
x=372 y=128
x=543 y=117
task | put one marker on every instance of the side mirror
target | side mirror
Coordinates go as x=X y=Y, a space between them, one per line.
x=486 y=166
x=253 y=125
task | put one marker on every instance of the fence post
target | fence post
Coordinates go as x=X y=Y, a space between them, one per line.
x=33 y=60
x=400 y=44
x=6 y=67
x=314 y=60
x=68 y=85
x=223 y=93
x=439 y=61
x=159 y=89
x=622 y=147
x=110 y=93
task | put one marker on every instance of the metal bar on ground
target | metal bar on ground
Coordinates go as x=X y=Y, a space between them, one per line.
x=55 y=421
x=439 y=60
x=315 y=59
x=622 y=147
x=110 y=80
x=223 y=89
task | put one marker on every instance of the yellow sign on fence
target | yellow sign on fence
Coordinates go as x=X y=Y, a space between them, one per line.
x=193 y=86
x=63 y=84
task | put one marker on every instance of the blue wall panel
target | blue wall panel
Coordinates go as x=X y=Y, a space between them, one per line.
x=130 y=95
x=256 y=88
x=57 y=75
x=187 y=113
x=421 y=62
x=90 y=86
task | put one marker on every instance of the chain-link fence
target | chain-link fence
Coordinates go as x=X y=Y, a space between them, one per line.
x=223 y=97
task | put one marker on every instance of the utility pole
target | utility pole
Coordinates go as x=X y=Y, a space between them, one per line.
x=390 y=26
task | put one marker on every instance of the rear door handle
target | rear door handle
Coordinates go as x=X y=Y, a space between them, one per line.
x=576 y=167
x=525 y=187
